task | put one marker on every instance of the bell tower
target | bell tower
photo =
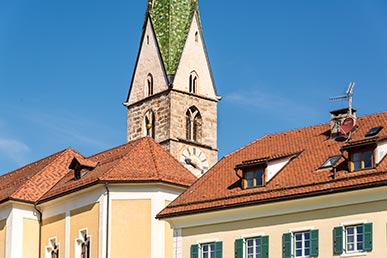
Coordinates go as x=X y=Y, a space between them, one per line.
x=172 y=96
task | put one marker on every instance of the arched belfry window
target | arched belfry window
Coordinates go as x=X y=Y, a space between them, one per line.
x=193 y=124
x=193 y=82
x=149 y=124
x=149 y=85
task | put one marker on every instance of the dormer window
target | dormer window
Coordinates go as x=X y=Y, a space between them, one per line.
x=361 y=154
x=81 y=167
x=258 y=172
x=363 y=159
x=253 y=177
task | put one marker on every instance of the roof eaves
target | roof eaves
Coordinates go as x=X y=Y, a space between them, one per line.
x=60 y=154
x=164 y=213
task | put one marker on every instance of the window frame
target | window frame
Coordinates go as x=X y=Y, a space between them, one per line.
x=149 y=85
x=210 y=252
x=254 y=170
x=303 y=243
x=194 y=124
x=215 y=251
x=289 y=244
x=355 y=241
x=52 y=248
x=193 y=83
x=362 y=152
x=340 y=238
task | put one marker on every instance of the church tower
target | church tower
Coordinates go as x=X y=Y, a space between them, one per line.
x=172 y=96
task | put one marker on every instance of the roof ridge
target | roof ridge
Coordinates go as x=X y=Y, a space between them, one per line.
x=33 y=163
x=60 y=154
x=294 y=130
x=151 y=150
x=114 y=148
x=135 y=143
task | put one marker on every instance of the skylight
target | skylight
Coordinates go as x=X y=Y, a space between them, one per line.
x=331 y=161
x=374 y=131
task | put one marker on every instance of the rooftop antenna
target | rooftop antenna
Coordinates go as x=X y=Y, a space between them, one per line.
x=348 y=95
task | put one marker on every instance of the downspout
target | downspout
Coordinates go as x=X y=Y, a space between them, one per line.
x=40 y=228
x=107 y=219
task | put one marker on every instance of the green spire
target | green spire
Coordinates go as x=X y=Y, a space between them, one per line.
x=171 y=21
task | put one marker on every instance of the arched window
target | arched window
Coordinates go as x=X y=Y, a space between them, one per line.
x=193 y=124
x=149 y=124
x=149 y=85
x=193 y=82
x=196 y=36
x=147 y=39
x=83 y=245
x=52 y=250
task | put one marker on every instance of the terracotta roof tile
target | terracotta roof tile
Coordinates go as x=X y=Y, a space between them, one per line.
x=220 y=187
x=30 y=182
x=141 y=160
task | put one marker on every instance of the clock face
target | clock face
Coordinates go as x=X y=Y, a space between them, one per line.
x=195 y=160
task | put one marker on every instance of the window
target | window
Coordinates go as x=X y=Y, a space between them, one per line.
x=149 y=85
x=253 y=178
x=52 y=250
x=193 y=82
x=207 y=250
x=374 y=131
x=82 y=249
x=149 y=124
x=352 y=238
x=254 y=247
x=362 y=160
x=193 y=124
x=196 y=36
x=331 y=161
x=300 y=244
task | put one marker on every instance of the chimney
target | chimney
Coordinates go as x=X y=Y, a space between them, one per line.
x=337 y=119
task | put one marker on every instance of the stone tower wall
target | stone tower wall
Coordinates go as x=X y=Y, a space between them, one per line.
x=159 y=104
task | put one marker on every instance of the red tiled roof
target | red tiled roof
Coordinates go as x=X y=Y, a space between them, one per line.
x=220 y=187
x=32 y=181
x=142 y=160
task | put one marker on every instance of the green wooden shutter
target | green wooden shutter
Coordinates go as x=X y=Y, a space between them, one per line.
x=238 y=248
x=194 y=251
x=287 y=245
x=338 y=240
x=367 y=237
x=314 y=243
x=265 y=246
x=218 y=249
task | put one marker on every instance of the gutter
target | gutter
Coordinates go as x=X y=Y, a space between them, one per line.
x=40 y=215
x=107 y=218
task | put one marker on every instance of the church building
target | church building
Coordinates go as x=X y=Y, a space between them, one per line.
x=68 y=205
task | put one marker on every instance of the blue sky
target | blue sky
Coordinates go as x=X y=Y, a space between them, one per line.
x=65 y=69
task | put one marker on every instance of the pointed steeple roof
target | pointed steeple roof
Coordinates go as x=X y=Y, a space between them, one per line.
x=171 y=21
